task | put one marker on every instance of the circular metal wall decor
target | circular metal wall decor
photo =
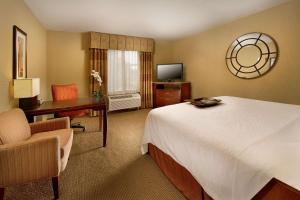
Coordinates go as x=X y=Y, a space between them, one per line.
x=252 y=55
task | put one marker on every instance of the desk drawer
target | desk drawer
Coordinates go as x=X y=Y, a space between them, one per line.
x=167 y=97
x=166 y=93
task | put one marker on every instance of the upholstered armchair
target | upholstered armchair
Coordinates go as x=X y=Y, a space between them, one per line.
x=30 y=152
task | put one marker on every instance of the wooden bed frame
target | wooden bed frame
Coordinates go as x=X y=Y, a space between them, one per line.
x=191 y=189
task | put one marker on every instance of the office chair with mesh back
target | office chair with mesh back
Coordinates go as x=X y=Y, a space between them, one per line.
x=68 y=92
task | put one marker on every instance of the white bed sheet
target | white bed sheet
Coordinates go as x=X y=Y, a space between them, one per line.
x=233 y=149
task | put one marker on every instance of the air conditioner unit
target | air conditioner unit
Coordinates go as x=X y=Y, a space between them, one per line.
x=119 y=102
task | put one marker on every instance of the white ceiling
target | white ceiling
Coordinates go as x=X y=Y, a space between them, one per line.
x=160 y=19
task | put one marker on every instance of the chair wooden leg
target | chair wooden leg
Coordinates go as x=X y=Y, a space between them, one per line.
x=2 y=193
x=55 y=187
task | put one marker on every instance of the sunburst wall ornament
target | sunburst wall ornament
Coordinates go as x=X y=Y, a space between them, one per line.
x=252 y=55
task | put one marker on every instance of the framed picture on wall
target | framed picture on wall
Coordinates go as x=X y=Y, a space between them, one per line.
x=19 y=53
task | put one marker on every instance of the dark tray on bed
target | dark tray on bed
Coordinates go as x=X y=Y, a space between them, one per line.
x=205 y=102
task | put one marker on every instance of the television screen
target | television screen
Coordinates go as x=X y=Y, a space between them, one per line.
x=169 y=72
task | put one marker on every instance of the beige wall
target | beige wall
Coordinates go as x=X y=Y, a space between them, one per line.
x=162 y=54
x=15 y=12
x=67 y=59
x=204 y=57
x=62 y=57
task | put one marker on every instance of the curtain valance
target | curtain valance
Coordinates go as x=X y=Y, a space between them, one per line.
x=120 y=42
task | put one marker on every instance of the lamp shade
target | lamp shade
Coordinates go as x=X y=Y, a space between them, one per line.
x=28 y=87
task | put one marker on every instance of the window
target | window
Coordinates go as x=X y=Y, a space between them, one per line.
x=123 y=72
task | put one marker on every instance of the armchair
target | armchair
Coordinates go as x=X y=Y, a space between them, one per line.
x=30 y=152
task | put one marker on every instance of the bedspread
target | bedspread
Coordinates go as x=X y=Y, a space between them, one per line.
x=232 y=149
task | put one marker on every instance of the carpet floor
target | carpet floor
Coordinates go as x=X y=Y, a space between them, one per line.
x=118 y=171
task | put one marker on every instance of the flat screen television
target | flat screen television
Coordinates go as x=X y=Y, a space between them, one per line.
x=169 y=72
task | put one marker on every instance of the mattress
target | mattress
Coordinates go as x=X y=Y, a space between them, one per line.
x=232 y=149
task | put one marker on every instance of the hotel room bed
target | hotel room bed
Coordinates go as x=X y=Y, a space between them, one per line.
x=232 y=150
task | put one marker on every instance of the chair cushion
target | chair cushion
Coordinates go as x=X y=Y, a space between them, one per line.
x=13 y=126
x=65 y=138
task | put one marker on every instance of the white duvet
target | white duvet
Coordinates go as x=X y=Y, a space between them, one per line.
x=232 y=149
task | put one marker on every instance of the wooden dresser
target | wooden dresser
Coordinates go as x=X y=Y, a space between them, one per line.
x=167 y=93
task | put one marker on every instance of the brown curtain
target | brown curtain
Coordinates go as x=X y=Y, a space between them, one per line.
x=146 y=64
x=98 y=62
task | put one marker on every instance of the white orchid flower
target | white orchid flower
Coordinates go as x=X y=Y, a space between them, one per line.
x=96 y=76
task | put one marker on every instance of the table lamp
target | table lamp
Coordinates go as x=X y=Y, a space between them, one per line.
x=27 y=90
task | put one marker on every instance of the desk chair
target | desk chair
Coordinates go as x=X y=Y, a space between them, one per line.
x=68 y=92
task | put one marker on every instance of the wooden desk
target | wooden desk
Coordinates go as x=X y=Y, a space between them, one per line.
x=51 y=107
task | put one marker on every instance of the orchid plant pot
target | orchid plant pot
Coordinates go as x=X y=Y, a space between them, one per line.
x=97 y=94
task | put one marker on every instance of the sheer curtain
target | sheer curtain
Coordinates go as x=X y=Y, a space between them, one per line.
x=123 y=72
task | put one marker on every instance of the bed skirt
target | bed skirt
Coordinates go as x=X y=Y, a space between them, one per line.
x=178 y=175
x=192 y=190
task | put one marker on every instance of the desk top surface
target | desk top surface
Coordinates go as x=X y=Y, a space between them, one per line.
x=67 y=105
